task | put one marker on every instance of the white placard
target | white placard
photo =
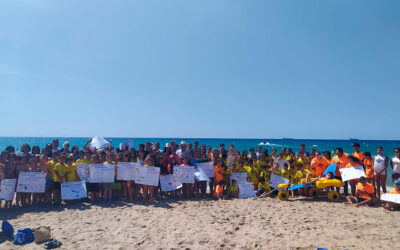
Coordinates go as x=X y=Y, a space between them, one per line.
x=395 y=198
x=128 y=143
x=102 y=173
x=246 y=190
x=352 y=173
x=184 y=174
x=7 y=189
x=201 y=175
x=239 y=177
x=98 y=142
x=276 y=180
x=169 y=183
x=126 y=171
x=147 y=175
x=208 y=168
x=83 y=171
x=31 y=182
x=73 y=190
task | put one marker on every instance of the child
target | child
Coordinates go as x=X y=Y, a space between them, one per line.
x=60 y=172
x=148 y=190
x=108 y=187
x=263 y=187
x=396 y=190
x=186 y=187
x=368 y=167
x=22 y=166
x=218 y=171
x=233 y=191
x=219 y=190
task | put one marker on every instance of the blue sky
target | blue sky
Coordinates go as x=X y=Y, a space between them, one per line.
x=235 y=69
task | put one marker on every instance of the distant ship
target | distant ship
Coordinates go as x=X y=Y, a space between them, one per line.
x=354 y=139
x=284 y=138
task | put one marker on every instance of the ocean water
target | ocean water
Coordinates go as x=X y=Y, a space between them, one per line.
x=240 y=144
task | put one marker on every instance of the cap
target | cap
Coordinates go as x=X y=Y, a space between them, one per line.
x=362 y=178
x=183 y=142
x=167 y=145
x=396 y=182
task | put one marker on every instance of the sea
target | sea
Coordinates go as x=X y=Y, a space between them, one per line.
x=240 y=144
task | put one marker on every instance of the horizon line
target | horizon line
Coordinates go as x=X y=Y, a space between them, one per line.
x=223 y=138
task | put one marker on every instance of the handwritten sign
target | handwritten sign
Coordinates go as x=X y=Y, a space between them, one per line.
x=102 y=173
x=83 y=171
x=169 y=183
x=31 y=182
x=73 y=190
x=184 y=174
x=7 y=189
x=126 y=171
x=208 y=168
x=147 y=175
x=352 y=173
x=246 y=190
x=276 y=180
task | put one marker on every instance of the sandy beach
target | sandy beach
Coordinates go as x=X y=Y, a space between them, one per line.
x=230 y=224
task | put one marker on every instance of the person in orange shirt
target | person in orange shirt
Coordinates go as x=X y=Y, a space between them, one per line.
x=319 y=164
x=218 y=171
x=219 y=191
x=357 y=153
x=341 y=160
x=365 y=193
x=396 y=190
x=353 y=162
x=368 y=167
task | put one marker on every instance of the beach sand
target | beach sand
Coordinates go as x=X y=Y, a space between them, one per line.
x=207 y=224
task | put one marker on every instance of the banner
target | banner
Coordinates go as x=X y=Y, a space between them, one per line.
x=7 y=189
x=73 y=190
x=201 y=175
x=83 y=171
x=276 y=180
x=246 y=190
x=31 y=182
x=208 y=168
x=395 y=198
x=184 y=174
x=169 y=183
x=102 y=173
x=126 y=171
x=352 y=173
x=239 y=177
x=98 y=142
x=147 y=175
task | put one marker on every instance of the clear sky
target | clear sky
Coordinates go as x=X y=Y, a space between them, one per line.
x=178 y=68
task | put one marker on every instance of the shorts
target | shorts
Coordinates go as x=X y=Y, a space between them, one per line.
x=117 y=186
x=57 y=185
x=359 y=199
x=395 y=176
x=48 y=181
x=92 y=187
x=108 y=185
x=383 y=173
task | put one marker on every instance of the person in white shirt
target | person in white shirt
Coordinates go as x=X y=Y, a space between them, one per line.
x=182 y=151
x=380 y=163
x=395 y=165
x=280 y=161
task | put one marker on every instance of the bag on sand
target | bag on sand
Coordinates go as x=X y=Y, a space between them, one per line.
x=7 y=229
x=24 y=236
x=42 y=234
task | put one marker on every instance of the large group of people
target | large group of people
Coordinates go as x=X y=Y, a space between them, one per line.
x=302 y=167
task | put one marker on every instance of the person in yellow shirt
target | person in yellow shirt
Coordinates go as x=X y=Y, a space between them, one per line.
x=284 y=173
x=233 y=191
x=60 y=175
x=72 y=170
